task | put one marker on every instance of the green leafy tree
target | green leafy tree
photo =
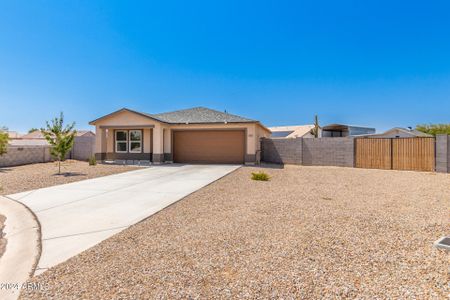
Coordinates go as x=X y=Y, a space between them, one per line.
x=60 y=138
x=33 y=130
x=434 y=129
x=4 y=138
x=315 y=131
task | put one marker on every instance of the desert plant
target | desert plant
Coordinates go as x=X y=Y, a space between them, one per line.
x=434 y=129
x=60 y=138
x=92 y=161
x=315 y=131
x=33 y=130
x=4 y=138
x=260 y=176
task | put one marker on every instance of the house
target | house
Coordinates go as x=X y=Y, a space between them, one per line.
x=13 y=134
x=340 y=130
x=36 y=138
x=398 y=132
x=296 y=131
x=196 y=135
x=37 y=135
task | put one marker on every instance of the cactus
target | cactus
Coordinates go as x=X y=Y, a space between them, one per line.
x=315 y=131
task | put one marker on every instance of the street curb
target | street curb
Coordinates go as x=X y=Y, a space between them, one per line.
x=23 y=248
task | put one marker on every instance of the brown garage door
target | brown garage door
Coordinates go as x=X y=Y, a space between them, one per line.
x=209 y=146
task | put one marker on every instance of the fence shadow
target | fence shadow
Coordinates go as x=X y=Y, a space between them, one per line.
x=264 y=165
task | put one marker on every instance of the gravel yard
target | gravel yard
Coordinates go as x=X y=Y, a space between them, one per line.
x=34 y=176
x=310 y=232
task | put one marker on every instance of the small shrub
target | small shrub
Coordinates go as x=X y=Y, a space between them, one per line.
x=92 y=161
x=260 y=176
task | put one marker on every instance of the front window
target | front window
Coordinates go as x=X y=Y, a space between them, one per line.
x=121 y=141
x=135 y=141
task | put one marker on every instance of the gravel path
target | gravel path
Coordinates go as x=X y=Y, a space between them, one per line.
x=2 y=239
x=34 y=176
x=311 y=232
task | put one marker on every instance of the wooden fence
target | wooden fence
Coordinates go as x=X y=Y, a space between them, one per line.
x=395 y=153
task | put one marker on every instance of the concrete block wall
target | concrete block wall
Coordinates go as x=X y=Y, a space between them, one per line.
x=22 y=155
x=83 y=148
x=282 y=151
x=443 y=153
x=309 y=151
x=337 y=151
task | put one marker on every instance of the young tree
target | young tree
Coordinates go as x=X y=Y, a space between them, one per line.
x=315 y=131
x=60 y=138
x=4 y=138
x=434 y=129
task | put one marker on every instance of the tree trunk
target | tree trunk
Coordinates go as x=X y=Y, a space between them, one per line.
x=59 y=167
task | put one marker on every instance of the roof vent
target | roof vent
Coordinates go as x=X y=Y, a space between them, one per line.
x=443 y=243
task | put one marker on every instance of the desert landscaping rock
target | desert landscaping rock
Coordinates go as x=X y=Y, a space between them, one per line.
x=29 y=177
x=310 y=232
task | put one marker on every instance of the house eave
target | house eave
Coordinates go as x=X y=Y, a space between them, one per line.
x=122 y=110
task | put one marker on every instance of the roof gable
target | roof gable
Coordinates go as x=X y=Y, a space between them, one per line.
x=37 y=134
x=412 y=132
x=294 y=131
x=199 y=115
x=121 y=111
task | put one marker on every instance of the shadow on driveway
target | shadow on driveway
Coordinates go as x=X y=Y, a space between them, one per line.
x=70 y=174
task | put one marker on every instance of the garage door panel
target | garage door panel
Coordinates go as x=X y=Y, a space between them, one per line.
x=209 y=146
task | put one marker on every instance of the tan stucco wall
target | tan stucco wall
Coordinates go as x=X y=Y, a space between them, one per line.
x=161 y=134
x=167 y=140
x=261 y=132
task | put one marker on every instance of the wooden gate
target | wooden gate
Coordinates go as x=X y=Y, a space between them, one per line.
x=416 y=154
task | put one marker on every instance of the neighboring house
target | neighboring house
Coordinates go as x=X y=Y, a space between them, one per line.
x=36 y=138
x=296 y=131
x=398 y=132
x=196 y=135
x=340 y=130
x=83 y=146
x=37 y=135
x=13 y=134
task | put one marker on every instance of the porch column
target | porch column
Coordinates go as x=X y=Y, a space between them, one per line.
x=251 y=140
x=168 y=156
x=158 y=144
x=100 y=143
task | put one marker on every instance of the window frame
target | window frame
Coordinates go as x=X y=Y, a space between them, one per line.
x=116 y=142
x=128 y=141
x=131 y=141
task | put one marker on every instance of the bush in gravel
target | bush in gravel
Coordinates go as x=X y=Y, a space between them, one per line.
x=92 y=161
x=260 y=176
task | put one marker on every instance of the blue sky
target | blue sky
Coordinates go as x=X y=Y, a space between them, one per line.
x=376 y=63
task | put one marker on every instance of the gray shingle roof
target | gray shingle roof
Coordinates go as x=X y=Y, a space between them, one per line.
x=199 y=115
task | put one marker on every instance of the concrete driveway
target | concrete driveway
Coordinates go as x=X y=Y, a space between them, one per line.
x=79 y=215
